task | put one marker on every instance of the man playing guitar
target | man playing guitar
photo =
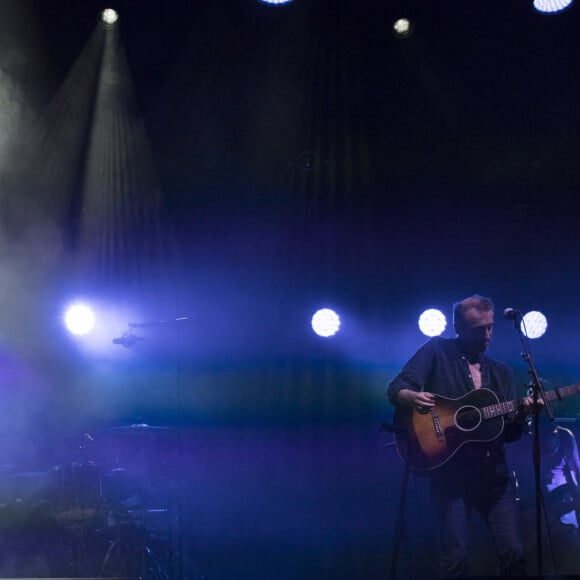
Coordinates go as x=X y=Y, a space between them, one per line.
x=472 y=475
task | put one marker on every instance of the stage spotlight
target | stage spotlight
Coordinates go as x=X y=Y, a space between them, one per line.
x=402 y=28
x=432 y=322
x=325 y=322
x=275 y=1
x=551 y=6
x=79 y=319
x=534 y=324
x=109 y=16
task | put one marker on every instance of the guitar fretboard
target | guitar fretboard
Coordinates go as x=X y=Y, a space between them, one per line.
x=500 y=409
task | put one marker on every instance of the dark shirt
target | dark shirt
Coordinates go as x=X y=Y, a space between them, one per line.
x=440 y=367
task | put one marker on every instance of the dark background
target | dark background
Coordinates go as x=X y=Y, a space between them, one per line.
x=304 y=157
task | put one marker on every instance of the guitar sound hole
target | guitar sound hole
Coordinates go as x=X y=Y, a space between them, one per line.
x=467 y=418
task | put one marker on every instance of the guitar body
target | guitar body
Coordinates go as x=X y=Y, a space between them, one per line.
x=429 y=439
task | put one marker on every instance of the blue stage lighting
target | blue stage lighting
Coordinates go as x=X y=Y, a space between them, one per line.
x=325 y=322
x=79 y=319
x=275 y=1
x=551 y=6
x=432 y=322
x=534 y=324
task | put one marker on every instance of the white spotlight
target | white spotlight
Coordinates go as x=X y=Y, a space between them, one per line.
x=551 y=6
x=325 y=322
x=109 y=16
x=402 y=28
x=534 y=324
x=275 y=1
x=432 y=322
x=79 y=319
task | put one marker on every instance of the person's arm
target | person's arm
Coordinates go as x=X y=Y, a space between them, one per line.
x=410 y=398
x=570 y=447
x=407 y=387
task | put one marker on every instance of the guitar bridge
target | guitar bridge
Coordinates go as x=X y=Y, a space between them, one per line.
x=437 y=426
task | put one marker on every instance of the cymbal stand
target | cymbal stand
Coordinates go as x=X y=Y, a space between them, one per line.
x=126 y=544
x=114 y=552
x=128 y=339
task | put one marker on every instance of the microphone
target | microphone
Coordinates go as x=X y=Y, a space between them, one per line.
x=127 y=339
x=511 y=314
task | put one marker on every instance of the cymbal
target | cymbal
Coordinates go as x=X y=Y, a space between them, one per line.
x=138 y=428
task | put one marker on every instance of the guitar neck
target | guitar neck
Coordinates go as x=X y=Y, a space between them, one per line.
x=513 y=406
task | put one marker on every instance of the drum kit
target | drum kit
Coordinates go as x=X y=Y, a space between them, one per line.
x=109 y=513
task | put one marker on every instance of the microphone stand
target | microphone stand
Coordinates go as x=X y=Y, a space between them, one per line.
x=157 y=322
x=538 y=394
x=128 y=339
x=400 y=522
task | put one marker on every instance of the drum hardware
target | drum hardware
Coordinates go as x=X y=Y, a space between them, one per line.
x=138 y=542
x=136 y=447
x=78 y=483
x=30 y=487
x=109 y=512
x=140 y=525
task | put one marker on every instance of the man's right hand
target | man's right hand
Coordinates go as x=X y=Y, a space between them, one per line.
x=421 y=400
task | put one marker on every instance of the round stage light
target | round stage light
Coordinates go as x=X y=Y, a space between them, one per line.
x=432 y=322
x=79 y=319
x=109 y=16
x=325 y=322
x=551 y=6
x=534 y=324
x=402 y=28
x=275 y=2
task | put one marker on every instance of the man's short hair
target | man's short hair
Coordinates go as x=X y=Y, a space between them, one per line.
x=480 y=303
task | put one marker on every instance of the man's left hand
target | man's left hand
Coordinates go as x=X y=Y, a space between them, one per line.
x=528 y=407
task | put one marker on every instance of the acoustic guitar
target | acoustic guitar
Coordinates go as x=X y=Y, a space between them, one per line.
x=427 y=439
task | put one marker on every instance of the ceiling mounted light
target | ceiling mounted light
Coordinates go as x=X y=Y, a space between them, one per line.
x=109 y=16
x=275 y=2
x=432 y=322
x=79 y=319
x=551 y=6
x=402 y=28
x=534 y=324
x=325 y=322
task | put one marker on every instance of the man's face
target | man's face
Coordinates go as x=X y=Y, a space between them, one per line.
x=475 y=329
